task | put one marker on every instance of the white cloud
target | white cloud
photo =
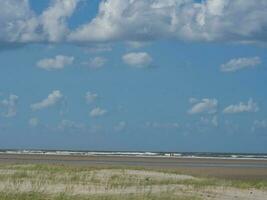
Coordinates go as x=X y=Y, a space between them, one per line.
x=96 y=62
x=120 y=126
x=251 y=106
x=70 y=125
x=137 y=20
x=137 y=59
x=205 y=105
x=52 y=99
x=19 y=23
x=208 y=20
x=97 y=112
x=33 y=122
x=10 y=106
x=53 y=19
x=240 y=63
x=16 y=21
x=59 y=62
x=90 y=97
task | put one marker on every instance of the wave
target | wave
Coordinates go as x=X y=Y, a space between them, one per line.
x=139 y=154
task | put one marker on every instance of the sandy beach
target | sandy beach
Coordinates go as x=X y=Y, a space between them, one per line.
x=224 y=168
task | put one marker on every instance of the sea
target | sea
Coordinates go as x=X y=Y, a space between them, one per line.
x=256 y=156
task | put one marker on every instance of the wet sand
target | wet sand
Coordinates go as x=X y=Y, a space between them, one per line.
x=224 y=168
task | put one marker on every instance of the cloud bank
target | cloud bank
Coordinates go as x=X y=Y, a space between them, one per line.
x=241 y=21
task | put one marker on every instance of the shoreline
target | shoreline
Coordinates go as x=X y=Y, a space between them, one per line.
x=221 y=168
x=219 y=156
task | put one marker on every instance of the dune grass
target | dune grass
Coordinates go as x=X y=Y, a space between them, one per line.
x=62 y=196
x=60 y=182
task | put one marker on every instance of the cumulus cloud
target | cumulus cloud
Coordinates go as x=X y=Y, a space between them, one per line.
x=90 y=97
x=33 y=122
x=137 y=59
x=251 y=106
x=97 y=112
x=53 y=20
x=208 y=106
x=19 y=23
x=52 y=99
x=10 y=106
x=96 y=62
x=208 y=20
x=59 y=62
x=240 y=63
x=137 y=21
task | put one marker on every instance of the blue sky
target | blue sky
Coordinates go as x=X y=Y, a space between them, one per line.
x=133 y=75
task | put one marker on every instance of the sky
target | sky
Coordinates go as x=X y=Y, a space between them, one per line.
x=134 y=75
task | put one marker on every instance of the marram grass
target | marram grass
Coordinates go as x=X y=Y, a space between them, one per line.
x=59 y=182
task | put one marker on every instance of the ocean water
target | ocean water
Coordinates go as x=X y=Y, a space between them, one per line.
x=257 y=156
